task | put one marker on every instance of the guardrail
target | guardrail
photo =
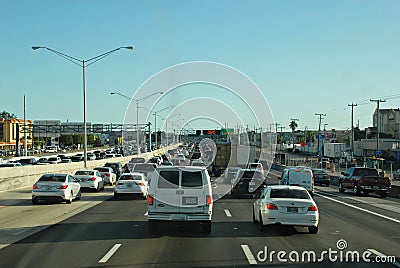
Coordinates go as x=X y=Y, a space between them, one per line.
x=334 y=180
x=24 y=176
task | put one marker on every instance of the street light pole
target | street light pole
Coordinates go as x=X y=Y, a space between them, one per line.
x=155 y=123
x=137 y=114
x=83 y=64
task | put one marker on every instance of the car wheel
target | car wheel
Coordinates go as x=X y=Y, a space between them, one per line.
x=116 y=196
x=356 y=190
x=69 y=200
x=98 y=188
x=262 y=226
x=207 y=227
x=313 y=229
x=102 y=188
x=254 y=216
x=35 y=201
x=152 y=226
x=79 y=195
x=383 y=194
x=341 y=188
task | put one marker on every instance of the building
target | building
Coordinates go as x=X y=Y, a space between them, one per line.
x=389 y=122
x=12 y=133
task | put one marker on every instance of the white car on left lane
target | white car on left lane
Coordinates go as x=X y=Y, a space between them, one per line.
x=90 y=179
x=59 y=187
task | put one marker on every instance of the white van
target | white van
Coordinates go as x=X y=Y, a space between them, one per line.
x=298 y=176
x=180 y=194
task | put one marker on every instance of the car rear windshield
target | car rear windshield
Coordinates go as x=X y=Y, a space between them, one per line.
x=130 y=177
x=84 y=172
x=251 y=174
x=319 y=171
x=146 y=167
x=102 y=169
x=192 y=179
x=52 y=178
x=365 y=172
x=289 y=193
x=112 y=165
x=168 y=179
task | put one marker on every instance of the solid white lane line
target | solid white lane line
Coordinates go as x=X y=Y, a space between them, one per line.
x=249 y=255
x=110 y=253
x=377 y=253
x=361 y=209
x=228 y=213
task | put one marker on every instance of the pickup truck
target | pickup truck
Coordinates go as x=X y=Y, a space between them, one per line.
x=366 y=180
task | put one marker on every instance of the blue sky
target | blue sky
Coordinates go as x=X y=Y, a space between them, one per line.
x=307 y=56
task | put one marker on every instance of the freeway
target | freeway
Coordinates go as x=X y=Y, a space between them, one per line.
x=100 y=232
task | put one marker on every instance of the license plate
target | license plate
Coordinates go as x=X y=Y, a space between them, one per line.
x=189 y=200
x=49 y=188
x=292 y=209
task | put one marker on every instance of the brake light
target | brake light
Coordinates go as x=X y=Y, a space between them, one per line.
x=271 y=206
x=209 y=200
x=63 y=187
x=34 y=187
x=108 y=174
x=93 y=179
x=150 y=199
x=312 y=208
x=141 y=184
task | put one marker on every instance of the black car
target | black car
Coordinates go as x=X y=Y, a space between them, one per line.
x=116 y=166
x=248 y=183
x=321 y=177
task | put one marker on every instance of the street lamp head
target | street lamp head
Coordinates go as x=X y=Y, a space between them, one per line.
x=112 y=93
x=129 y=47
x=36 y=48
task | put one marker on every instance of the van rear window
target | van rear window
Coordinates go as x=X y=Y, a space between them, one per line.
x=192 y=179
x=168 y=179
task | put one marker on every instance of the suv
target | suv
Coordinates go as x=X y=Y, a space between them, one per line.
x=180 y=194
x=116 y=166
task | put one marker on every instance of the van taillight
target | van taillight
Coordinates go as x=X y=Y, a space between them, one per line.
x=93 y=179
x=108 y=174
x=209 y=200
x=313 y=208
x=150 y=200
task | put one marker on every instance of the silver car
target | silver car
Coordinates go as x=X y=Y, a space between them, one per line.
x=90 y=179
x=59 y=187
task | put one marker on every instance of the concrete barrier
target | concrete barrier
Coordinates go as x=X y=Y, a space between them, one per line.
x=24 y=176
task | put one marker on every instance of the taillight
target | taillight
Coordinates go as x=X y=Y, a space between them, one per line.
x=34 y=187
x=312 y=208
x=108 y=174
x=209 y=200
x=150 y=199
x=271 y=206
x=93 y=179
x=63 y=187
x=141 y=184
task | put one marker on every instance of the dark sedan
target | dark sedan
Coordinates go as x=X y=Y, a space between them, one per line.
x=321 y=177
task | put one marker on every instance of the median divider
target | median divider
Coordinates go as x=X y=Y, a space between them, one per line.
x=24 y=176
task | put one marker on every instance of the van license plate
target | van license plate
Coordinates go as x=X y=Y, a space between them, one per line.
x=292 y=209
x=192 y=200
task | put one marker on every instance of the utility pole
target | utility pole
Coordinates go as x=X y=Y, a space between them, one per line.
x=377 y=124
x=281 y=137
x=352 y=129
x=319 y=132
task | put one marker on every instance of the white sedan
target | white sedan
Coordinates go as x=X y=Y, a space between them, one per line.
x=58 y=187
x=90 y=179
x=133 y=183
x=286 y=205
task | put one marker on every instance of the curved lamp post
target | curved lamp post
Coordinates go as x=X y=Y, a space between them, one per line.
x=83 y=64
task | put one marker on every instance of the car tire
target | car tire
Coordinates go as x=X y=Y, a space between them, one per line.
x=254 y=216
x=340 y=187
x=35 y=201
x=153 y=226
x=79 y=195
x=356 y=190
x=102 y=188
x=262 y=226
x=383 y=194
x=207 y=227
x=313 y=229
x=98 y=188
x=69 y=200
x=116 y=196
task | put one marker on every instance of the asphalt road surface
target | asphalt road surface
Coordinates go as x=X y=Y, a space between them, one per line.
x=110 y=233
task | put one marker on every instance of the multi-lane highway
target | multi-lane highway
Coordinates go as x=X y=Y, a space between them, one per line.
x=98 y=231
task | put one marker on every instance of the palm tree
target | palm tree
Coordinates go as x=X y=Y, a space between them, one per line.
x=293 y=125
